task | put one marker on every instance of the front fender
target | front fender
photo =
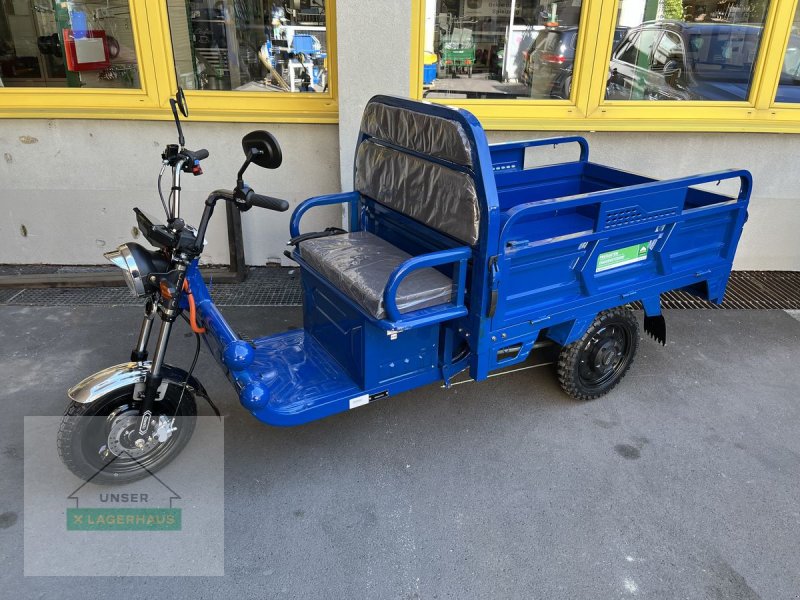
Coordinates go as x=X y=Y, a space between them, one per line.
x=119 y=376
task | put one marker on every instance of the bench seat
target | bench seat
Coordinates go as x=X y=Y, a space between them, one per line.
x=359 y=264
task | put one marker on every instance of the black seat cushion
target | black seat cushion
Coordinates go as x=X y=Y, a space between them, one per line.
x=360 y=263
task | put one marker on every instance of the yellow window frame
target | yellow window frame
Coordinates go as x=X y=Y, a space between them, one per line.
x=150 y=25
x=56 y=102
x=588 y=109
x=518 y=113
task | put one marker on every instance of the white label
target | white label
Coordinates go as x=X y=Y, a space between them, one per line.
x=359 y=401
x=90 y=50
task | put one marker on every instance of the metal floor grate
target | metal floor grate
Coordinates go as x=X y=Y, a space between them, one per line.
x=272 y=286
x=8 y=294
x=747 y=290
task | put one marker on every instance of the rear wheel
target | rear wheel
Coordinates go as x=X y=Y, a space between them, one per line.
x=591 y=366
x=98 y=441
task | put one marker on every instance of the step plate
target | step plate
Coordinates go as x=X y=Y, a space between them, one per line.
x=304 y=381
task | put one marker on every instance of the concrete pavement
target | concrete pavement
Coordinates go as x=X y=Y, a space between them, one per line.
x=683 y=483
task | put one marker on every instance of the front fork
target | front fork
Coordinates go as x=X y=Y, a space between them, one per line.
x=139 y=353
x=168 y=311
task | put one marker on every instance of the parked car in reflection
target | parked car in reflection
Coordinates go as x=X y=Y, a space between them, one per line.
x=789 y=84
x=550 y=59
x=673 y=60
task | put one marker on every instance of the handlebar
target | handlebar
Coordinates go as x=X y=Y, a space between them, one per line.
x=242 y=199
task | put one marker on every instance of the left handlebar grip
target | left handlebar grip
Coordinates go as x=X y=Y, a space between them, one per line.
x=268 y=202
x=194 y=156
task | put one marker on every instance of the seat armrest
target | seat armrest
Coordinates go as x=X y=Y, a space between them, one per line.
x=346 y=198
x=433 y=259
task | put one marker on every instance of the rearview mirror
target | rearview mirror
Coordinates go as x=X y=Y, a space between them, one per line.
x=180 y=100
x=178 y=103
x=268 y=153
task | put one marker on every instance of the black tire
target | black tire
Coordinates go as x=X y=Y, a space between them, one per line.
x=591 y=366
x=86 y=431
x=567 y=88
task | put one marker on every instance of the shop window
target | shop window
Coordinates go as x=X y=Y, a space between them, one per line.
x=250 y=45
x=500 y=49
x=691 y=50
x=67 y=44
x=789 y=83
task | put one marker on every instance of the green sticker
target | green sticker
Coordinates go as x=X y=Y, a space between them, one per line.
x=622 y=256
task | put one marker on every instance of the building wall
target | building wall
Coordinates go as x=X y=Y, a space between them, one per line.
x=69 y=186
x=374 y=58
x=72 y=184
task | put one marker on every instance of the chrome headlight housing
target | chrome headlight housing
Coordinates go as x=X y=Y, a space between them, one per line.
x=137 y=263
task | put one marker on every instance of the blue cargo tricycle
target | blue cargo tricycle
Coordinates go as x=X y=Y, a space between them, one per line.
x=456 y=258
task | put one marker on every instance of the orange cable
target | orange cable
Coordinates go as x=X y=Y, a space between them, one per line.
x=192 y=310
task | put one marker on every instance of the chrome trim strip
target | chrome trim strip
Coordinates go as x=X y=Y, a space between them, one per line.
x=123 y=258
x=108 y=380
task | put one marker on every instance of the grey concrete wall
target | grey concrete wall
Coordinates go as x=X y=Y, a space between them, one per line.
x=374 y=55
x=770 y=240
x=69 y=186
x=73 y=189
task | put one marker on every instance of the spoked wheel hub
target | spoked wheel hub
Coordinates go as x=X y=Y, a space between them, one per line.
x=117 y=444
x=124 y=438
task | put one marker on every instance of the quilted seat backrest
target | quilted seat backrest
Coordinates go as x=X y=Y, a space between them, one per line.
x=420 y=165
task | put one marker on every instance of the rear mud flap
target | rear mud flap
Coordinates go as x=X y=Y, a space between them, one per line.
x=654 y=323
x=656 y=328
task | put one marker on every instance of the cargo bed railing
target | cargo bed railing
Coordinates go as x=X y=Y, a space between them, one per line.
x=652 y=237
x=671 y=193
x=627 y=216
x=510 y=156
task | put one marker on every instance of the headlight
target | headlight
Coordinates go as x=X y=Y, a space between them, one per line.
x=137 y=264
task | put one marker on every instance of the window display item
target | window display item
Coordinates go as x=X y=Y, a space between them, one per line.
x=86 y=50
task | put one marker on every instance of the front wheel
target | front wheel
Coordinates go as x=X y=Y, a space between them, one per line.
x=100 y=440
x=594 y=364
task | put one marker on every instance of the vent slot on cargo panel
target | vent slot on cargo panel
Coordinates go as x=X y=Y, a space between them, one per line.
x=632 y=215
